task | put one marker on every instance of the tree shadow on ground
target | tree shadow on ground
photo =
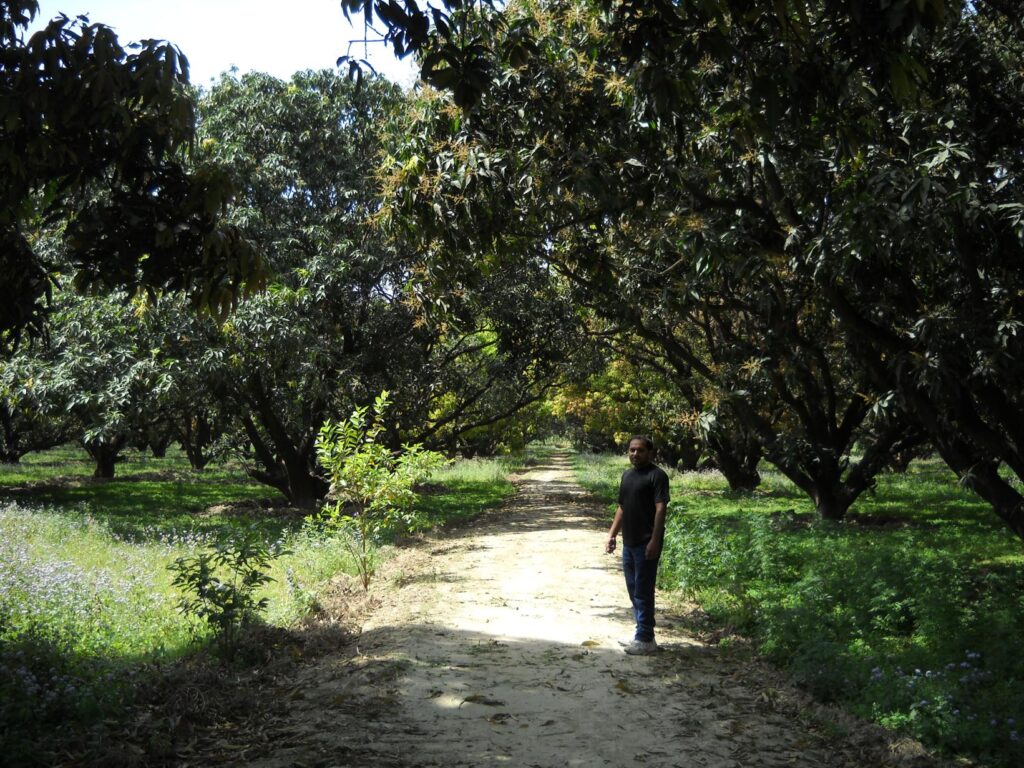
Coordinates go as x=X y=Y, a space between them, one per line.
x=486 y=700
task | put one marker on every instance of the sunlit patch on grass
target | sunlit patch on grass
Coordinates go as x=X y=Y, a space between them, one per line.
x=86 y=600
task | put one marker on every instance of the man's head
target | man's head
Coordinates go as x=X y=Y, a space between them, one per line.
x=641 y=450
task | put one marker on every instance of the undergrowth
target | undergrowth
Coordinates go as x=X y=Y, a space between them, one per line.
x=87 y=605
x=908 y=613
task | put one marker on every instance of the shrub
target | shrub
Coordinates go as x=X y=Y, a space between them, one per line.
x=220 y=585
x=372 y=488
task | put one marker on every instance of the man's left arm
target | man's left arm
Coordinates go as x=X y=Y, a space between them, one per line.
x=657 y=541
x=653 y=551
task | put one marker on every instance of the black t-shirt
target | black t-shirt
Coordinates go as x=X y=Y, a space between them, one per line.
x=639 y=490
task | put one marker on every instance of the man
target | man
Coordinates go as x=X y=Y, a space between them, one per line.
x=643 y=500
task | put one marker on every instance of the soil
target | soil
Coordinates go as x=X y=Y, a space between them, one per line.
x=491 y=644
x=497 y=644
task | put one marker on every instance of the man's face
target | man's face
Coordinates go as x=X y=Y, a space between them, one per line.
x=639 y=454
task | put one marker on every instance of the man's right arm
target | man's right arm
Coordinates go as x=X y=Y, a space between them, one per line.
x=614 y=530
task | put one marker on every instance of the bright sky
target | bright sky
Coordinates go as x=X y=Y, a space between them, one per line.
x=263 y=35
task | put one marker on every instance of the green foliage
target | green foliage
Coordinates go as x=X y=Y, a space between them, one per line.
x=892 y=624
x=625 y=399
x=219 y=586
x=78 y=608
x=302 y=154
x=110 y=162
x=87 y=607
x=800 y=205
x=904 y=614
x=372 y=488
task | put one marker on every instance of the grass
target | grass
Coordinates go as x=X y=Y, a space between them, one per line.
x=148 y=499
x=86 y=601
x=77 y=605
x=908 y=613
x=466 y=488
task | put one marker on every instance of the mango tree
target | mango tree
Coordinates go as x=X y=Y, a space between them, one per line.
x=560 y=163
x=100 y=137
x=348 y=312
x=101 y=370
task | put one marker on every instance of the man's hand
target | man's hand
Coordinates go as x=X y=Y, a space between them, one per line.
x=609 y=546
x=653 y=551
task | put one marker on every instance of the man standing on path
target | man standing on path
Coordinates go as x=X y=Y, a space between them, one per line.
x=643 y=500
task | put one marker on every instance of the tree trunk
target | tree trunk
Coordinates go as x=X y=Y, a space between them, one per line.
x=292 y=473
x=302 y=488
x=737 y=460
x=195 y=435
x=684 y=455
x=832 y=505
x=105 y=464
x=159 y=442
x=741 y=475
x=1004 y=498
x=983 y=478
x=106 y=456
x=305 y=489
x=823 y=482
x=196 y=458
x=9 y=452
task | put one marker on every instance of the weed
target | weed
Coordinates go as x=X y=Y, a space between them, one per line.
x=219 y=586
x=86 y=596
x=909 y=612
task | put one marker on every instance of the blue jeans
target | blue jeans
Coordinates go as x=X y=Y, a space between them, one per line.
x=641 y=574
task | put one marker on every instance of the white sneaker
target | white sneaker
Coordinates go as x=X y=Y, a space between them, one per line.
x=625 y=642
x=642 y=648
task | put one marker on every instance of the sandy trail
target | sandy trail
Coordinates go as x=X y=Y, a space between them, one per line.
x=496 y=644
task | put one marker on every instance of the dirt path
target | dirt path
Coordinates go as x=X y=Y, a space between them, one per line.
x=497 y=645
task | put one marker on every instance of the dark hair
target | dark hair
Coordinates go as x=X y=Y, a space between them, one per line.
x=645 y=439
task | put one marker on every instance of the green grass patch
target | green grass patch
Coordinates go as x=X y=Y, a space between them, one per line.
x=86 y=601
x=540 y=451
x=79 y=608
x=466 y=488
x=908 y=613
x=149 y=499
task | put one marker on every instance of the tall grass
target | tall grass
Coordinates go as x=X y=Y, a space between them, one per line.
x=909 y=613
x=86 y=601
x=465 y=488
x=77 y=606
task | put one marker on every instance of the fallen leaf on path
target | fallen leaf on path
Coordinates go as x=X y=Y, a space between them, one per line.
x=623 y=686
x=590 y=643
x=479 y=698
